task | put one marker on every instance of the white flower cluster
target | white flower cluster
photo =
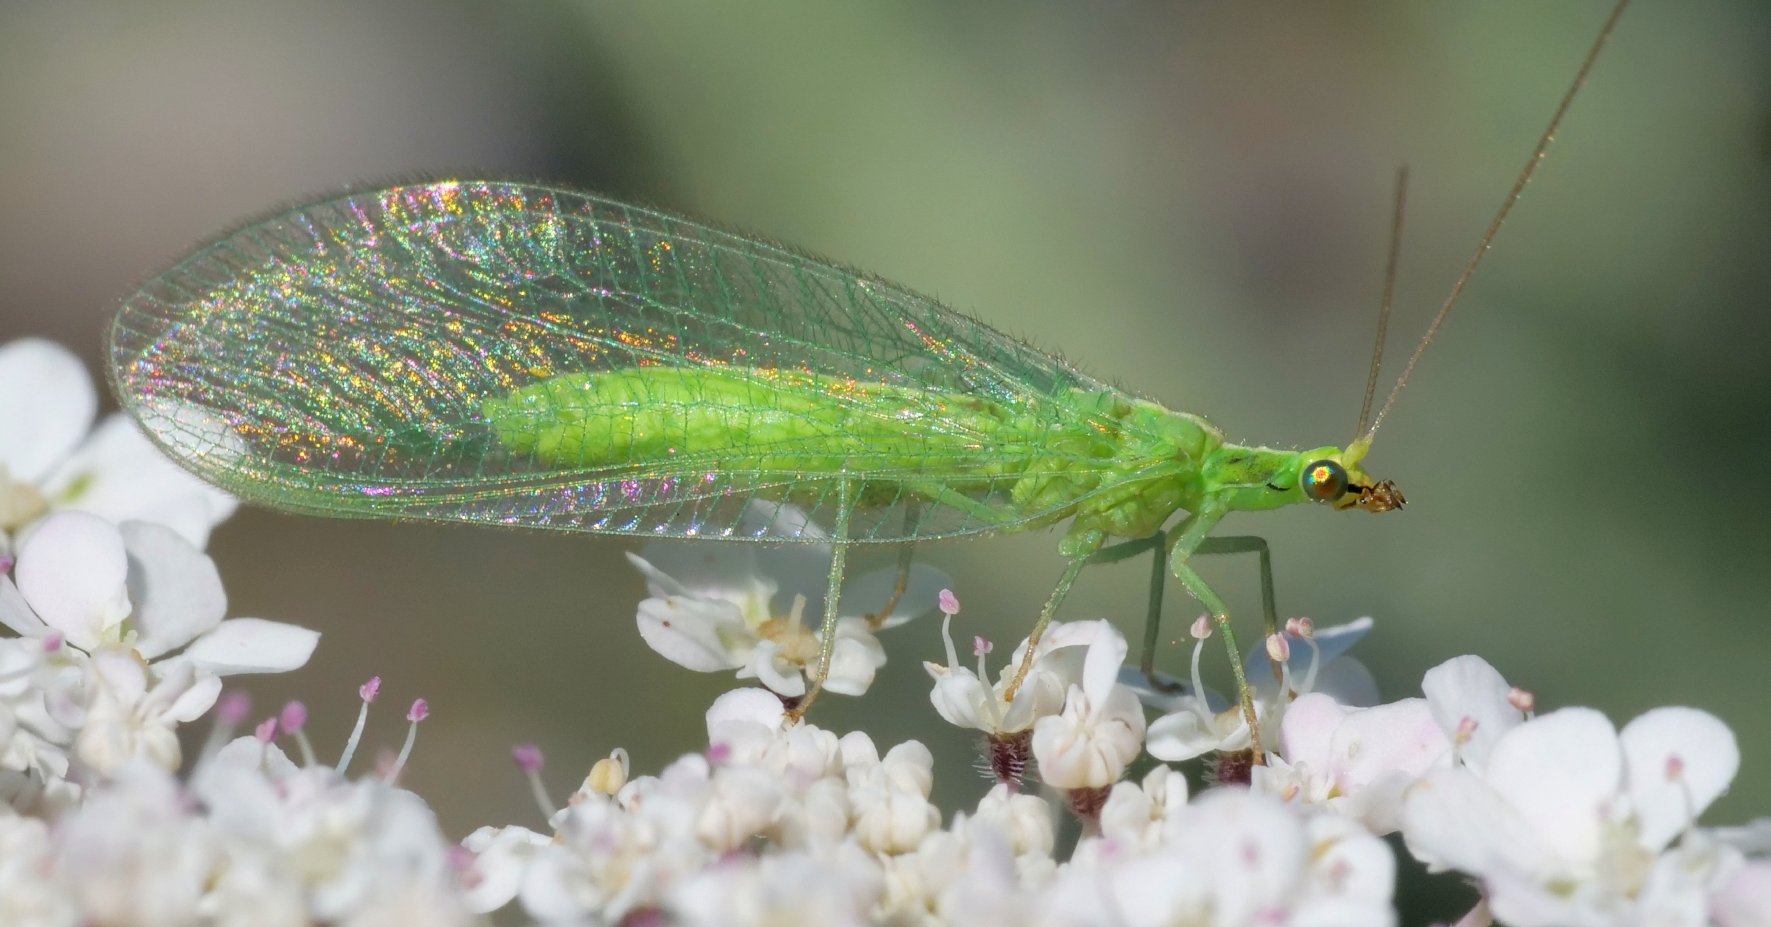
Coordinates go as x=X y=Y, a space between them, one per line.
x=119 y=623
x=787 y=823
x=119 y=637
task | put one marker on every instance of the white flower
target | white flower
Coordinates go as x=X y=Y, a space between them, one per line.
x=140 y=612
x=49 y=462
x=1101 y=728
x=352 y=851
x=756 y=608
x=501 y=858
x=889 y=798
x=129 y=716
x=1136 y=814
x=962 y=697
x=1232 y=857
x=26 y=897
x=1569 y=822
x=31 y=739
x=838 y=889
x=142 y=587
x=1473 y=705
x=1357 y=761
x=1024 y=822
x=1744 y=900
x=132 y=853
x=1198 y=722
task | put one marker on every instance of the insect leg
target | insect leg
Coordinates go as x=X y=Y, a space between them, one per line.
x=1187 y=539
x=1242 y=544
x=877 y=618
x=1072 y=570
x=839 y=555
x=1158 y=578
x=912 y=512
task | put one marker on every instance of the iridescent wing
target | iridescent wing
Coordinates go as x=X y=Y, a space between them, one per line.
x=337 y=359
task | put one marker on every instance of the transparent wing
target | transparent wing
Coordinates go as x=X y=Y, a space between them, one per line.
x=339 y=358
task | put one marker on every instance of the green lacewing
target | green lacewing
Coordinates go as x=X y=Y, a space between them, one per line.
x=529 y=355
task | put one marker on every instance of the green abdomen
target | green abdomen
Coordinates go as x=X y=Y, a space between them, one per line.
x=747 y=419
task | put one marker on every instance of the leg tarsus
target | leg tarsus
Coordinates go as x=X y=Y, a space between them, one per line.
x=878 y=618
x=1071 y=570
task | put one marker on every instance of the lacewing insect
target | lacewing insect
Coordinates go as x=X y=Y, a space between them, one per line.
x=529 y=355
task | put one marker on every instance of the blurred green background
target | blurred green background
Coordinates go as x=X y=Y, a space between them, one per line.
x=1191 y=199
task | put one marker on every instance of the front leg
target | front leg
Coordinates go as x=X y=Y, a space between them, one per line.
x=1187 y=540
x=1079 y=547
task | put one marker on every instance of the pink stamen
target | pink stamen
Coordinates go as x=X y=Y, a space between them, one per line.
x=949 y=602
x=369 y=690
x=1278 y=648
x=1201 y=628
x=233 y=707
x=981 y=646
x=1300 y=627
x=528 y=757
x=419 y=711
x=266 y=730
x=1523 y=699
x=53 y=641
x=293 y=717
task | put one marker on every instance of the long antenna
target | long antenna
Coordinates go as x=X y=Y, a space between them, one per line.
x=1543 y=145
x=1383 y=309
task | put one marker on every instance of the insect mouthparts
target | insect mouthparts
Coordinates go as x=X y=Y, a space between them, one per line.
x=1382 y=497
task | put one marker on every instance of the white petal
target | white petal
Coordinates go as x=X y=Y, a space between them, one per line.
x=694 y=567
x=123 y=677
x=1100 y=668
x=175 y=588
x=1745 y=901
x=658 y=583
x=1356 y=865
x=959 y=697
x=46 y=404
x=857 y=657
x=1469 y=687
x=1398 y=737
x=119 y=474
x=748 y=706
x=693 y=632
x=1088 y=745
x=501 y=860
x=1564 y=773
x=1707 y=757
x=1349 y=682
x=1184 y=735
x=1307 y=729
x=195 y=700
x=773 y=670
x=1260 y=852
x=252 y=645
x=15 y=612
x=1451 y=819
x=71 y=569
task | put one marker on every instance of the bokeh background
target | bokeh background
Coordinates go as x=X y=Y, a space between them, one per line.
x=1191 y=199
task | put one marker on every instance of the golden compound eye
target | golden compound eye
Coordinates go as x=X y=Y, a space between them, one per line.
x=1324 y=481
